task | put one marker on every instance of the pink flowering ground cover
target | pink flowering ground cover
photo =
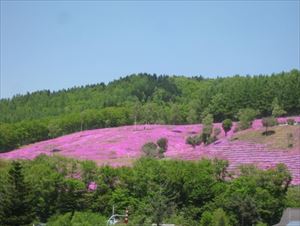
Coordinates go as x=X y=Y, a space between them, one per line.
x=122 y=145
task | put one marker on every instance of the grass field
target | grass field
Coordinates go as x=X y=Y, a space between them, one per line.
x=278 y=140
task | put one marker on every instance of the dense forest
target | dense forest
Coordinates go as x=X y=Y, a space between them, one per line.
x=67 y=192
x=143 y=98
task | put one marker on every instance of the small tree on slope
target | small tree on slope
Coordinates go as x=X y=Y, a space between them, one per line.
x=268 y=122
x=226 y=124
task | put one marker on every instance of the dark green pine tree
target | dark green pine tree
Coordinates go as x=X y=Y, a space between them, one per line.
x=18 y=207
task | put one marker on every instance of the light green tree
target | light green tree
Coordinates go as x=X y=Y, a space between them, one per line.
x=277 y=109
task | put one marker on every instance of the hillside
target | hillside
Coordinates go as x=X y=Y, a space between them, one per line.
x=122 y=145
x=145 y=99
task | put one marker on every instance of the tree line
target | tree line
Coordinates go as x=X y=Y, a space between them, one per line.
x=57 y=190
x=144 y=98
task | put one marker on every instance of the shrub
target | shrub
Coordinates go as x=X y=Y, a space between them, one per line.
x=246 y=116
x=277 y=110
x=78 y=218
x=208 y=138
x=291 y=121
x=219 y=217
x=208 y=124
x=211 y=139
x=194 y=140
x=163 y=143
x=157 y=149
x=226 y=124
x=206 y=218
x=150 y=149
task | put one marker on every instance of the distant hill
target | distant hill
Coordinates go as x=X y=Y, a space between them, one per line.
x=122 y=145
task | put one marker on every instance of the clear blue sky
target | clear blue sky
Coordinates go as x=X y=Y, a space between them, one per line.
x=54 y=45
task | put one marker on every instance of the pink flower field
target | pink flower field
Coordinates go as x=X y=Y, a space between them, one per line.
x=122 y=145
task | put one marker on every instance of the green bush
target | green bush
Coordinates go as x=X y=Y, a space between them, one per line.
x=150 y=149
x=226 y=125
x=163 y=144
x=246 y=116
x=171 y=191
x=194 y=140
x=293 y=197
x=277 y=109
x=211 y=139
x=77 y=219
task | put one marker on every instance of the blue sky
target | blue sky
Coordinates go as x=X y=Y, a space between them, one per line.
x=54 y=45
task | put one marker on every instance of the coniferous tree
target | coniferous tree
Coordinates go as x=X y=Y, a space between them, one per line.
x=18 y=208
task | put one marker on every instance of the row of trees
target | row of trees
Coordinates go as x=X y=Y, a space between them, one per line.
x=56 y=190
x=222 y=97
x=14 y=135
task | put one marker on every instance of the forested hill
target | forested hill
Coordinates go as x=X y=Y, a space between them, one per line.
x=143 y=98
x=222 y=97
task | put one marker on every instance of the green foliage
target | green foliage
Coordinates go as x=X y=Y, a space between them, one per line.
x=167 y=191
x=194 y=140
x=192 y=116
x=160 y=205
x=88 y=171
x=261 y=224
x=226 y=125
x=277 y=110
x=150 y=149
x=60 y=220
x=207 y=129
x=77 y=219
x=207 y=123
x=257 y=195
x=219 y=218
x=179 y=219
x=219 y=106
x=17 y=134
x=220 y=169
x=246 y=116
x=215 y=218
x=16 y=206
x=293 y=197
x=71 y=198
x=45 y=179
x=162 y=143
x=157 y=149
x=206 y=219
